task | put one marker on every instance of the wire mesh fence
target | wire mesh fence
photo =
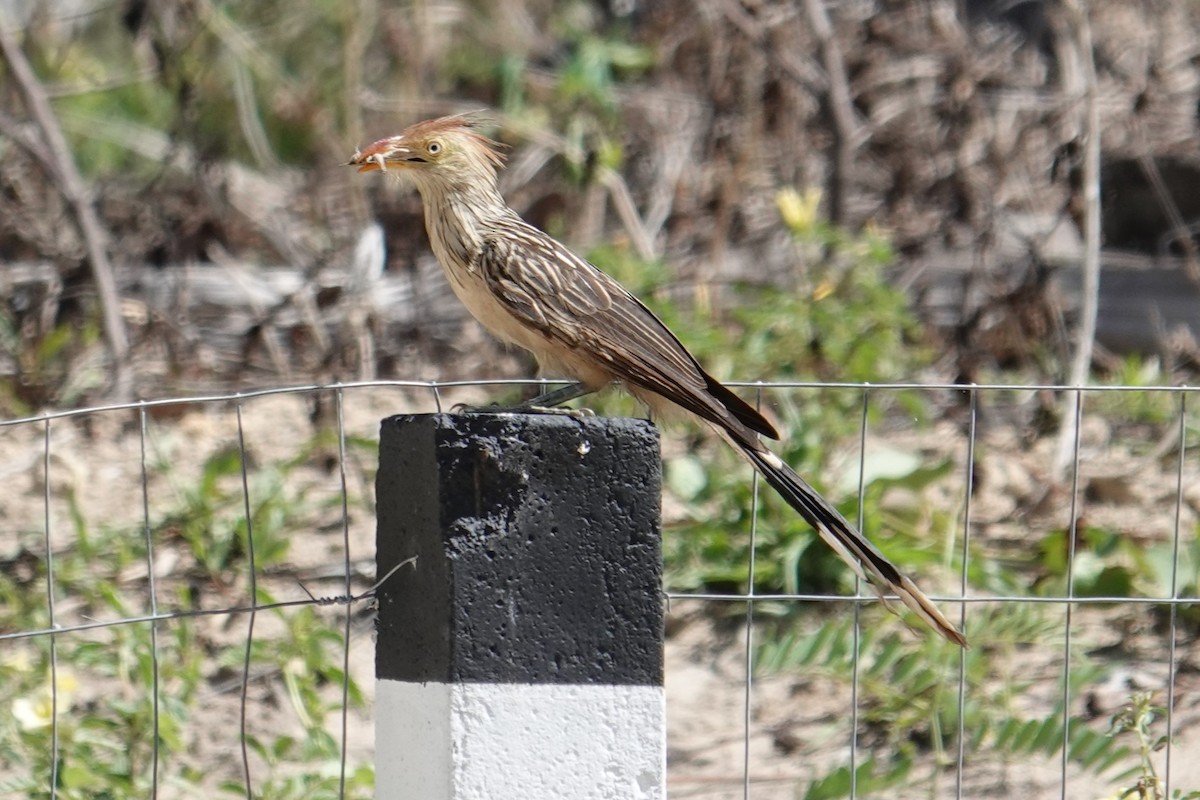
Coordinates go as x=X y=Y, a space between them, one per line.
x=184 y=596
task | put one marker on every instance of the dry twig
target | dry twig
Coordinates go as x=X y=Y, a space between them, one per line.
x=841 y=109
x=1081 y=362
x=52 y=152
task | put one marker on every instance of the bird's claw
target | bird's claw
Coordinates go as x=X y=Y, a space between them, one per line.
x=577 y=413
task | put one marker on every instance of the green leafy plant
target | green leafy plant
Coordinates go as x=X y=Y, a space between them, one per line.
x=105 y=708
x=908 y=695
x=103 y=746
x=281 y=755
x=258 y=83
x=1110 y=563
x=58 y=366
x=1136 y=405
x=1138 y=720
x=712 y=550
x=1176 y=569
x=211 y=516
x=594 y=64
x=1107 y=564
x=871 y=776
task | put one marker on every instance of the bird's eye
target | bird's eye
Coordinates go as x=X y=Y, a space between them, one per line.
x=434 y=148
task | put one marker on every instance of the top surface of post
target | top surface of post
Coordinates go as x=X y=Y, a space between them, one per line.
x=537 y=545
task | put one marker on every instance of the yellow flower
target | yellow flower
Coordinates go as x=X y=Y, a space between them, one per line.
x=17 y=660
x=799 y=211
x=37 y=710
x=823 y=289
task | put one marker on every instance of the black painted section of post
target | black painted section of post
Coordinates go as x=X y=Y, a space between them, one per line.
x=538 y=549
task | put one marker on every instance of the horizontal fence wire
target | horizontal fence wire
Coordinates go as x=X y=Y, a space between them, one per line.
x=63 y=621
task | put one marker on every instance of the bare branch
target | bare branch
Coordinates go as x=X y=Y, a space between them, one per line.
x=841 y=109
x=52 y=152
x=1081 y=43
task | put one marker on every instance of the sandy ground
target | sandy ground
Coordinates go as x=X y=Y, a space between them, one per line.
x=796 y=725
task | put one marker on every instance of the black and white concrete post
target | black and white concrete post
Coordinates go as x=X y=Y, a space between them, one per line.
x=522 y=659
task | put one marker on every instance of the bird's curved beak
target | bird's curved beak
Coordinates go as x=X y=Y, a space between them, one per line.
x=380 y=155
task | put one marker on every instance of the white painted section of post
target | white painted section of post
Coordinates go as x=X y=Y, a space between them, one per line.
x=484 y=741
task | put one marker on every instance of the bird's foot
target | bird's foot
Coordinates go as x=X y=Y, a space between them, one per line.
x=467 y=408
x=577 y=413
x=522 y=408
x=546 y=403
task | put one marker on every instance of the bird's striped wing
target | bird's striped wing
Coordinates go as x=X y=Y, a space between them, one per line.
x=570 y=301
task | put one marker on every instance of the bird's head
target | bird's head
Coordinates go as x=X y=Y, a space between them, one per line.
x=448 y=150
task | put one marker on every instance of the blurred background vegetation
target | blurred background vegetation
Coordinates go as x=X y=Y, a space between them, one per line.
x=688 y=142
x=858 y=192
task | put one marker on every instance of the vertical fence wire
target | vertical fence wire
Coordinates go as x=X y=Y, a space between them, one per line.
x=1072 y=537
x=348 y=586
x=152 y=588
x=856 y=641
x=969 y=490
x=253 y=581
x=53 y=621
x=748 y=697
x=1173 y=612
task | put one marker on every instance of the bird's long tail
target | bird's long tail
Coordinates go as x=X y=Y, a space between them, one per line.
x=862 y=556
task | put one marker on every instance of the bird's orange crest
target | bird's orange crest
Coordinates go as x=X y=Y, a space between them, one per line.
x=462 y=126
